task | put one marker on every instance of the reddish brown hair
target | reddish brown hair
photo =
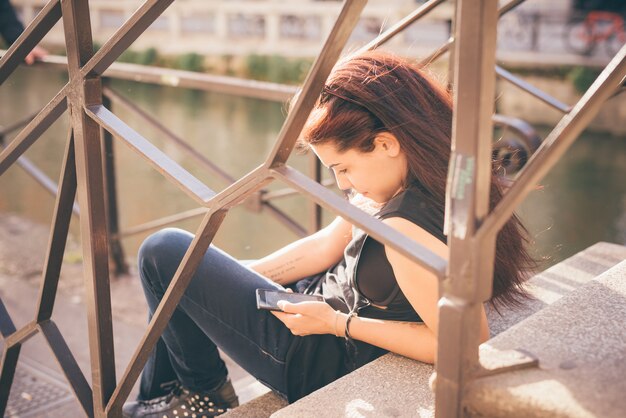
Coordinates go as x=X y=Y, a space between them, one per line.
x=376 y=92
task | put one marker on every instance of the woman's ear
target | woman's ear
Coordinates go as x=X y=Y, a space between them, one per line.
x=388 y=143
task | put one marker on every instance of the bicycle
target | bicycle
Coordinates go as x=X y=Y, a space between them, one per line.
x=582 y=36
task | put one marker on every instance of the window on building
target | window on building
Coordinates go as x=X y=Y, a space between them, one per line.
x=246 y=26
x=300 y=27
x=202 y=23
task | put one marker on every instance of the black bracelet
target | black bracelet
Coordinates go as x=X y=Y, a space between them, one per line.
x=348 y=337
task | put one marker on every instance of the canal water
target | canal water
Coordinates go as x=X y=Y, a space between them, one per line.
x=580 y=202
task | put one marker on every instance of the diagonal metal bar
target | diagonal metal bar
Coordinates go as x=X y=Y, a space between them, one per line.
x=8 y=365
x=557 y=143
x=120 y=100
x=390 y=33
x=16 y=125
x=192 y=213
x=143 y=17
x=32 y=35
x=10 y=354
x=534 y=91
x=22 y=335
x=31 y=169
x=287 y=220
x=298 y=115
x=206 y=231
x=241 y=189
x=315 y=210
x=46 y=117
x=7 y=327
x=40 y=177
x=158 y=223
x=206 y=163
x=288 y=191
x=68 y=364
x=159 y=160
x=446 y=46
x=381 y=232
x=438 y=52
x=58 y=234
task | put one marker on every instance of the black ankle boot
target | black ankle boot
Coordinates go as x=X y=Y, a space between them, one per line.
x=181 y=403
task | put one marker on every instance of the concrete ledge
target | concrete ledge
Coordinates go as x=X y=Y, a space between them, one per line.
x=552 y=284
x=395 y=386
x=392 y=386
x=580 y=342
x=263 y=406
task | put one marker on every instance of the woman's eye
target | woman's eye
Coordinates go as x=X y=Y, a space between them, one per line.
x=344 y=171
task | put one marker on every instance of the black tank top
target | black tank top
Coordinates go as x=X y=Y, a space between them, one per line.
x=364 y=281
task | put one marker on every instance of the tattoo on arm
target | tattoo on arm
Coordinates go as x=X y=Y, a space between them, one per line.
x=282 y=269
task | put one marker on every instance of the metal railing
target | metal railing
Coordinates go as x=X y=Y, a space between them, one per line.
x=465 y=280
x=513 y=151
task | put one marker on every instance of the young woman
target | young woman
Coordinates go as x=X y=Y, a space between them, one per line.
x=383 y=127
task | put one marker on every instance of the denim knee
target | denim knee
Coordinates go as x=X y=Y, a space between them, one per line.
x=161 y=253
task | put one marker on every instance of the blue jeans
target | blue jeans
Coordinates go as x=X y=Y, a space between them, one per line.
x=217 y=309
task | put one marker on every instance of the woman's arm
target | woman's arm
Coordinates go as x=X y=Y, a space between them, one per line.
x=420 y=286
x=307 y=256
x=413 y=340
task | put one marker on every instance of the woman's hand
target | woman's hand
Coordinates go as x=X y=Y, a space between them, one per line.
x=306 y=318
x=36 y=54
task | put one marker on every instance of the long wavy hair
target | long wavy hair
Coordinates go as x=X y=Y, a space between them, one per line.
x=376 y=92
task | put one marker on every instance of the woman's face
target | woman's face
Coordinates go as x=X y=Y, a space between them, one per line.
x=377 y=175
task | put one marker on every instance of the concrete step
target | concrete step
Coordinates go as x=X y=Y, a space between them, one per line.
x=394 y=386
x=580 y=342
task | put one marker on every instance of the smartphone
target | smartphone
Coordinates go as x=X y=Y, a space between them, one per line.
x=268 y=299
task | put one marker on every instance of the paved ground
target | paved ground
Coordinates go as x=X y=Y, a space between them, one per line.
x=39 y=379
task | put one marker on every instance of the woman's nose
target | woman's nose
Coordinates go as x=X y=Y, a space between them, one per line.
x=342 y=182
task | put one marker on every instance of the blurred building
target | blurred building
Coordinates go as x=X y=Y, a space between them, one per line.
x=283 y=27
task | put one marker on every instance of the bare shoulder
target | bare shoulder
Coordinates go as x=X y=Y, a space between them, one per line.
x=418 y=234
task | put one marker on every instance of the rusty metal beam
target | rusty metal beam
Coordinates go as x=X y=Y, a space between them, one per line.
x=390 y=33
x=110 y=197
x=201 y=241
x=154 y=122
x=8 y=364
x=315 y=210
x=446 y=46
x=86 y=91
x=128 y=33
x=557 y=143
x=379 y=231
x=16 y=125
x=297 y=117
x=470 y=272
x=32 y=35
x=287 y=220
x=532 y=90
x=160 y=161
x=65 y=358
x=235 y=86
x=40 y=177
x=22 y=335
x=58 y=234
x=31 y=132
x=208 y=82
x=10 y=355
x=158 y=223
